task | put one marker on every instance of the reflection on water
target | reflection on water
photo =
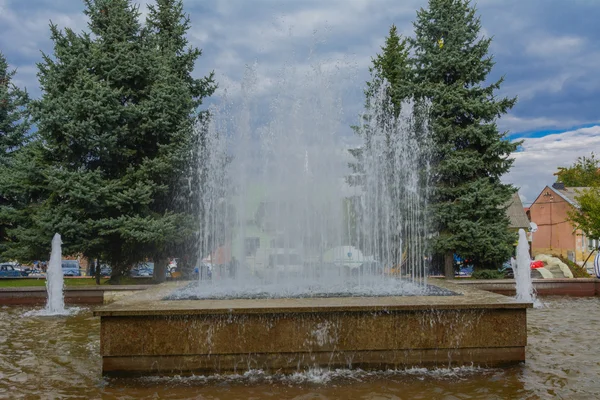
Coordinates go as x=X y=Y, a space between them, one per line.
x=56 y=357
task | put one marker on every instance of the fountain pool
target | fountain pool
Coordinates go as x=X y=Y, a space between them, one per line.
x=59 y=358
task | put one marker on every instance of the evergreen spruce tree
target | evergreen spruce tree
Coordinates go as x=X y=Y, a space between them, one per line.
x=451 y=64
x=99 y=146
x=390 y=66
x=115 y=121
x=24 y=189
x=389 y=88
x=14 y=125
x=182 y=96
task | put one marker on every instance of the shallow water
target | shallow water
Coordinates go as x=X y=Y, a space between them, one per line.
x=325 y=286
x=58 y=357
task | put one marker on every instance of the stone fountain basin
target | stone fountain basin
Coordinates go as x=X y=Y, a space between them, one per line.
x=144 y=334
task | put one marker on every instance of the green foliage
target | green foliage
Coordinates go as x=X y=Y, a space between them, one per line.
x=392 y=67
x=584 y=172
x=451 y=64
x=169 y=25
x=587 y=216
x=115 y=126
x=390 y=78
x=14 y=124
x=23 y=185
x=487 y=274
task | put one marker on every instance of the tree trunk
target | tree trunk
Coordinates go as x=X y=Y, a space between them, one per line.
x=116 y=275
x=449 y=265
x=160 y=269
x=97 y=271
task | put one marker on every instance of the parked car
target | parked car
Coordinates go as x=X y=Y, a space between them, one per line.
x=105 y=270
x=7 y=270
x=466 y=270
x=36 y=273
x=18 y=267
x=71 y=268
x=144 y=269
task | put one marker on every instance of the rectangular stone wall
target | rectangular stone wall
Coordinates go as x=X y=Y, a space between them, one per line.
x=288 y=341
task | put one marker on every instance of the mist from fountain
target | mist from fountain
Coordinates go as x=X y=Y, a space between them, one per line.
x=280 y=217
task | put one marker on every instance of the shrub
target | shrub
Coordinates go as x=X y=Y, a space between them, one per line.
x=488 y=274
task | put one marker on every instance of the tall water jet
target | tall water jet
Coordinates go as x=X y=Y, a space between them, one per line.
x=522 y=270
x=54 y=279
x=395 y=183
x=279 y=200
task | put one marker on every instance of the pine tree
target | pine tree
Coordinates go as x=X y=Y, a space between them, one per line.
x=168 y=25
x=115 y=118
x=391 y=66
x=14 y=125
x=451 y=64
x=389 y=88
x=24 y=188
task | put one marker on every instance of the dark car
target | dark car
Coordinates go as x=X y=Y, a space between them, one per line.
x=71 y=268
x=8 y=271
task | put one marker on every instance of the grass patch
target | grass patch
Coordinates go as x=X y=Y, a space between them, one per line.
x=70 y=282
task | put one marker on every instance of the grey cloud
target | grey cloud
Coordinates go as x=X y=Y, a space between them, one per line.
x=540 y=158
x=545 y=48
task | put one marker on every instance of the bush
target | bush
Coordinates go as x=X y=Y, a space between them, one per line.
x=488 y=274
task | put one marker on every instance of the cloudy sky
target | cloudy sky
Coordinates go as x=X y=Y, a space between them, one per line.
x=546 y=49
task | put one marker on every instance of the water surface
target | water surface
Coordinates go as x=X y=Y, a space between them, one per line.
x=58 y=357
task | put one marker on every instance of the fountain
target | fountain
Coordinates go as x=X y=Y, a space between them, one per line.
x=313 y=264
x=55 y=304
x=290 y=213
x=522 y=270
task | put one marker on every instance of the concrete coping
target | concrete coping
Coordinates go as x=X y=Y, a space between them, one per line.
x=150 y=302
